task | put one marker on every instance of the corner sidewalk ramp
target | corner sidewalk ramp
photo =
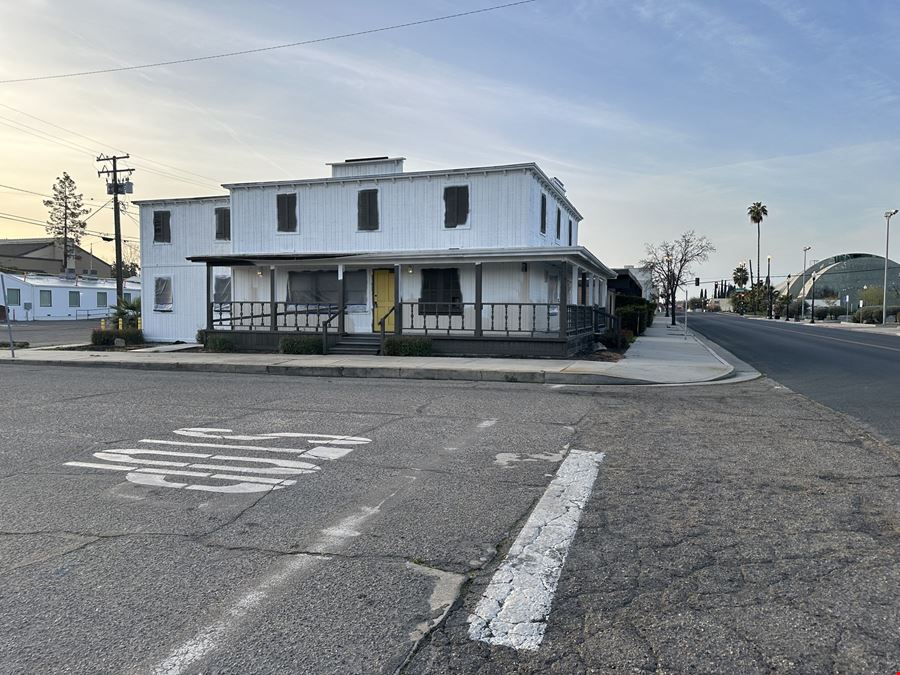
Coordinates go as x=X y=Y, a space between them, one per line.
x=662 y=356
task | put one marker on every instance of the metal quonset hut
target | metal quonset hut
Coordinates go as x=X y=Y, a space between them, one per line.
x=482 y=260
x=845 y=275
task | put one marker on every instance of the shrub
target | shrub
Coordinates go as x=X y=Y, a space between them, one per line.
x=407 y=346
x=219 y=343
x=872 y=314
x=611 y=340
x=821 y=313
x=107 y=337
x=200 y=338
x=300 y=344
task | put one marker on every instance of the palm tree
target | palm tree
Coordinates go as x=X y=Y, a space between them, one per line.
x=740 y=276
x=757 y=211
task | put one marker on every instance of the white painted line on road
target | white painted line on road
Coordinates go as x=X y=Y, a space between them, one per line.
x=514 y=609
x=138 y=462
x=97 y=465
x=184 y=657
x=557 y=386
x=486 y=423
x=221 y=445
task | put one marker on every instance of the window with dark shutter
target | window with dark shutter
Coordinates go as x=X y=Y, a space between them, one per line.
x=441 y=293
x=558 y=223
x=223 y=224
x=162 y=232
x=367 y=210
x=456 y=205
x=543 y=214
x=287 y=212
x=570 y=231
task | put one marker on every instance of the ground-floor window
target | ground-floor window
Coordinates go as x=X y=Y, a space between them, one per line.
x=321 y=287
x=162 y=299
x=46 y=298
x=13 y=297
x=74 y=298
x=102 y=300
x=441 y=293
x=222 y=289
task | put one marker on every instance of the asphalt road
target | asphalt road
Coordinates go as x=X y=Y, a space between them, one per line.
x=46 y=333
x=854 y=372
x=715 y=539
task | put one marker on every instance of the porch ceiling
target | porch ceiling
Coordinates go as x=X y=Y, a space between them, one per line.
x=577 y=255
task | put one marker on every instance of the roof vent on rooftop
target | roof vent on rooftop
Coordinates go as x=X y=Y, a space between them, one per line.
x=559 y=184
x=367 y=166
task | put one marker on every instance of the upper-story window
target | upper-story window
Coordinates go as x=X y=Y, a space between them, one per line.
x=570 y=231
x=367 y=210
x=223 y=224
x=287 y=212
x=543 y=214
x=162 y=231
x=456 y=205
x=558 y=223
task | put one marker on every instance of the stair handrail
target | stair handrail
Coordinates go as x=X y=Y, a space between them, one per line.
x=325 y=330
x=381 y=323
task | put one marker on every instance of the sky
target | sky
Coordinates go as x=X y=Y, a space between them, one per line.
x=660 y=116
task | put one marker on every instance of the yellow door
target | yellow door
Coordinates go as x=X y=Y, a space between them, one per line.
x=383 y=299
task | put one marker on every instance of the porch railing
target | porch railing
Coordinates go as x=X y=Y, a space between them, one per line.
x=497 y=320
x=259 y=315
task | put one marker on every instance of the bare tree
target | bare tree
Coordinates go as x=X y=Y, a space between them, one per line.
x=670 y=263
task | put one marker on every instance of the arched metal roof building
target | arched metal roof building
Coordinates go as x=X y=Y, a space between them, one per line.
x=846 y=274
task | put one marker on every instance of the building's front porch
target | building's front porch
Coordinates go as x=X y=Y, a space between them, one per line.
x=544 y=303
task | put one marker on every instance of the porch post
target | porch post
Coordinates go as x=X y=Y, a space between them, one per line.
x=478 y=300
x=583 y=300
x=563 y=300
x=398 y=307
x=209 y=297
x=341 y=299
x=273 y=325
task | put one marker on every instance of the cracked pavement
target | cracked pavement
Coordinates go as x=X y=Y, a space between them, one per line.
x=730 y=528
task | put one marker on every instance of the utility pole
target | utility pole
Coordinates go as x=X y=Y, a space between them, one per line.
x=117 y=188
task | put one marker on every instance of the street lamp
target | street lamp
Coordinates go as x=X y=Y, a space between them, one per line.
x=769 y=286
x=787 y=294
x=803 y=285
x=812 y=310
x=887 y=239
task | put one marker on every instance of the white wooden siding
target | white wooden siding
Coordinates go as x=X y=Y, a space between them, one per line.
x=410 y=215
x=193 y=232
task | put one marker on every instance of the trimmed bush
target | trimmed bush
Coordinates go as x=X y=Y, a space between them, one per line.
x=218 y=343
x=107 y=337
x=821 y=313
x=872 y=314
x=200 y=338
x=407 y=346
x=300 y=344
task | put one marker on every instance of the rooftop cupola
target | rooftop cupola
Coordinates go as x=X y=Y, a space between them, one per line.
x=366 y=166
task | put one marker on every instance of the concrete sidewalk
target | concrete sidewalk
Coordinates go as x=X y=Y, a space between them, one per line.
x=662 y=356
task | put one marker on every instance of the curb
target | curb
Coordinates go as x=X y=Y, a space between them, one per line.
x=389 y=372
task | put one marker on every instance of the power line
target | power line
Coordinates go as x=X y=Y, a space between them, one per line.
x=94 y=140
x=258 y=50
x=46 y=136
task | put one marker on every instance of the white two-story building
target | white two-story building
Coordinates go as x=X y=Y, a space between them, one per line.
x=483 y=260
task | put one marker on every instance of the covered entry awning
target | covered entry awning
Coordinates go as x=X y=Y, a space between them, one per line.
x=576 y=255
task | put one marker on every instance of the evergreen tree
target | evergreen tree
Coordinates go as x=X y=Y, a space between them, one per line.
x=64 y=221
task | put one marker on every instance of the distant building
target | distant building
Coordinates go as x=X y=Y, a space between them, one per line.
x=31 y=297
x=844 y=275
x=45 y=255
x=630 y=281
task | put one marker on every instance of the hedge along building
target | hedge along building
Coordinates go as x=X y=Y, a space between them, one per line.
x=483 y=260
